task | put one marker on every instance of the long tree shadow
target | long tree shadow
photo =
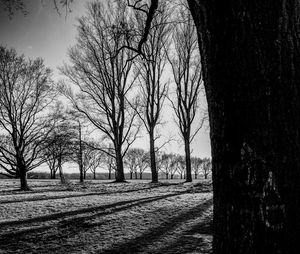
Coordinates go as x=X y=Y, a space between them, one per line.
x=115 y=206
x=100 y=192
x=73 y=196
x=198 y=238
x=138 y=244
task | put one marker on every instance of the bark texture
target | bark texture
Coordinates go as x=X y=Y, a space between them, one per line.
x=250 y=56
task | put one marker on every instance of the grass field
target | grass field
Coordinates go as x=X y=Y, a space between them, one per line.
x=105 y=217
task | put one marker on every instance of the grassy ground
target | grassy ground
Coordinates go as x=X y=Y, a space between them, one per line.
x=103 y=217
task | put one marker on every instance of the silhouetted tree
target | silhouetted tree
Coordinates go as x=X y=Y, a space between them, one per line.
x=131 y=161
x=186 y=67
x=102 y=73
x=197 y=165
x=143 y=162
x=25 y=94
x=206 y=167
x=153 y=89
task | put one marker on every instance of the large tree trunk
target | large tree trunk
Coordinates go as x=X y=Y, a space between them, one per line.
x=81 y=173
x=23 y=177
x=141 y=175
x=120 y=168
x=250 y=55
x=153 y=158
x=109 y=173
x=188 y=167
x=131 y=175
x=94 y=175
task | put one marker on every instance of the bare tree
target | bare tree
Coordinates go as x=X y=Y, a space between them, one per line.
x=166 y=164
x=143 y=162
x=197 y=165
x=59 y=144
x=103 y=76
x=206 y=167
x=110 y=163
x=131 y=161
x=59 y=147
x=96 y=161
x=153 y=89
x=25 y=94
x=181 y=166
x=186 y=68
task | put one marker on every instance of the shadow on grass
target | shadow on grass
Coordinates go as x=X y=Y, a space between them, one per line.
x=118 y=206
x=71 y=196
x=138 y=244
x=197 y=239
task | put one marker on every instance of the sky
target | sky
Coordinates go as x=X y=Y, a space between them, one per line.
x=44 y=33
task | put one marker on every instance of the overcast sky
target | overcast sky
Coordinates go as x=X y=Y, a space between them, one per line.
x=43 y=33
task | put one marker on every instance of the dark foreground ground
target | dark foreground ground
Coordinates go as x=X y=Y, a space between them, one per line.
x=102 y=217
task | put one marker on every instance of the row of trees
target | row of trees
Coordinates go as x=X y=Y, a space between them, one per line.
x=118 y=90
x=137 y=161
x=108 y=85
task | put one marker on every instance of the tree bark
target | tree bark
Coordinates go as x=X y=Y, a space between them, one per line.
x=95 y=175
x=196 y=175
x=130 y=175
x=23 y=177
x=188 y=167
x=136 y=175
x=80 y=162
x=61 y=173
x=153 y=157
x=141 y=175
x=250 y=54
x=109 y=173
x=120 y=168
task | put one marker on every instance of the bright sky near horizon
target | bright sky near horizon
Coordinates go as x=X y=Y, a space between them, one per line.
x=43 y=33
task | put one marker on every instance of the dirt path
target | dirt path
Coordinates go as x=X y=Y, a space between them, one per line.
x=117 y=218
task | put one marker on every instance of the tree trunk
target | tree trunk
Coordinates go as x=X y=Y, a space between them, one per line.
x=136 y=175
x=172 y=176
x=23 y=177
x=153 y=157
x=167 y=175
x=131 y=175
x=84 y=174
x=196 y=175
x=54 y=174
x=94 y=175
x=141 y=175
x=250 y=54
x=81 y=174
x=80 y=162
x=205 y=176
x=120 y=169
x=109 y=173
x=180 y=175
x=61 y=173
x=188 y=167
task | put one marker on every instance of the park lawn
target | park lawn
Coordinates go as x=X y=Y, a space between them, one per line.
x=105 y=217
